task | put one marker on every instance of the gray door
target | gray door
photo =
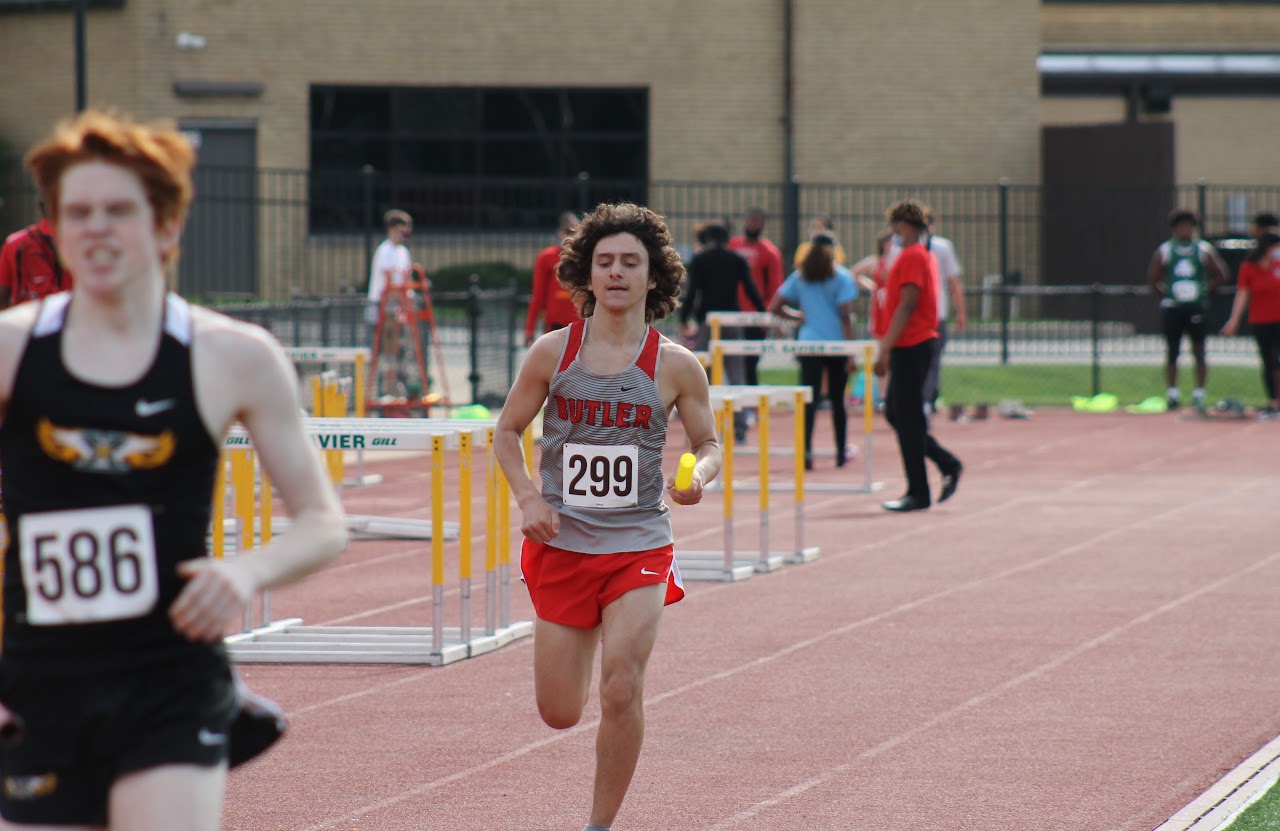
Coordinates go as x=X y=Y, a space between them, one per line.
x=1108 y=190
x=220 y=244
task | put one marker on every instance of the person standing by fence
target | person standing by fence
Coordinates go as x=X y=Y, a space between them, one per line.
x=549 y=299
x=717 y=279
x=1265 y=223
x=820 y=225
x=598 y=555
x=390 y=271
x=1184 y=272
x=905 y=354
x=950 y=297
x=30 y=267
x=1258 y=288
x=115 y=399
x=765 y=261
x=820 y=296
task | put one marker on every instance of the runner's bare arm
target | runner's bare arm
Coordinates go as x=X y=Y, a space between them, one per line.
x=242 y=374
x=15 y=326
x=539 y=522
x=684 y=384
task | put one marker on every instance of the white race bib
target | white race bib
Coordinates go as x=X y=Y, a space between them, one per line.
x=88 y=565
x=1185 y=291
x=600 y=476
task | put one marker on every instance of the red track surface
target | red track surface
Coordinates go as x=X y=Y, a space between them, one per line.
x=1082 y=639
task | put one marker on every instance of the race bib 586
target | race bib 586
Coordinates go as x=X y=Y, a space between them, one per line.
x=88 y=565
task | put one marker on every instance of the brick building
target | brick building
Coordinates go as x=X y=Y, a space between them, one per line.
x=738 y=91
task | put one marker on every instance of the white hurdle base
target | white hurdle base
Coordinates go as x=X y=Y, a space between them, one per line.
x=710 y=565
x=290 y=642
x=369 y=526
x=804 y=555
x=753 y=486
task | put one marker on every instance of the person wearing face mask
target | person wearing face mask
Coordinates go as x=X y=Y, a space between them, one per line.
x=765 y=261
x=905 y=354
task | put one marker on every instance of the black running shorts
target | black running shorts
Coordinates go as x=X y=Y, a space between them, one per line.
x=85 y=731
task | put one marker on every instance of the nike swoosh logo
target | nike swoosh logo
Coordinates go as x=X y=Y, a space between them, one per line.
x=145 y=408
x=209 y=738
x=626 y=389
x=644 y=570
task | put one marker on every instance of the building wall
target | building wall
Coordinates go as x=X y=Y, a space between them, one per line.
x=928 y=91
x=1175 y=26
x=714 y=69
x=1209 y=129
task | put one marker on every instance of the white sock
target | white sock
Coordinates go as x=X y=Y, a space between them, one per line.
x=1172 y=392
x=1198 y=393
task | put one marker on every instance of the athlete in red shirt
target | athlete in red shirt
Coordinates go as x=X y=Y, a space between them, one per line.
x=766 y=271
x=1258 y=287
x=550 y=299
x=906 y=351
x=30 y=267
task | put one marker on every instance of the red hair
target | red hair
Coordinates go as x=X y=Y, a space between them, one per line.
x=160 y=156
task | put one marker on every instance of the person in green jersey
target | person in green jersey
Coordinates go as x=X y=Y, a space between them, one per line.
x=1184 y=272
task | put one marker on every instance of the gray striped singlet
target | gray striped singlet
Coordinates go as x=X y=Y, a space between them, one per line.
x=614 y=478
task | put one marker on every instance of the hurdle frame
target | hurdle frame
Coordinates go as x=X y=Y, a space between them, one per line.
x=728 y=564
x=719 y=349
x=325 y=398
x=290 y=641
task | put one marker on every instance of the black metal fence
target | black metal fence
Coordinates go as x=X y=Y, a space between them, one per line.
x=477 y=343
x=291 y=250
x=281 y=234
x=470 y=353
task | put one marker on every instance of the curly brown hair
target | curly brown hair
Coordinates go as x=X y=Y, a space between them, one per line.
x=665 y=268
x=908 y=210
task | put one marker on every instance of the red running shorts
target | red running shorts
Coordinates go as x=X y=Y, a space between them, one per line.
x=572 y=589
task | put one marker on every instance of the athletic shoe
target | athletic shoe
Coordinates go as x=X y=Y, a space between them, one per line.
x=906 y=503
x=950 y=482
x=1173 y=403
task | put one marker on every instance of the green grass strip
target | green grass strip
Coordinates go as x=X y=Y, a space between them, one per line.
x=1263 y=815
x=1052 y=385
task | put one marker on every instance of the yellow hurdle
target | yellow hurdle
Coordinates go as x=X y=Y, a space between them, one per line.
x=240 y=477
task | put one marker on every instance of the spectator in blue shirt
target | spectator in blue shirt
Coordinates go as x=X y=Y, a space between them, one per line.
x=820 y=296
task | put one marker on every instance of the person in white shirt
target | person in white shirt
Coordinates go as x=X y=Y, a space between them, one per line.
x=390 y=267
x=391 y=262
x=950 y=295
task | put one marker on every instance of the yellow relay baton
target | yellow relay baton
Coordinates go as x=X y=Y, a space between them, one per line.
x=684 y=476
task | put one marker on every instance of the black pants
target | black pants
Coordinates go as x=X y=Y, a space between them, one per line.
x=904 y=408
x=933 y=378
x=1268 y=337
x=812 y=368
x=751 y=363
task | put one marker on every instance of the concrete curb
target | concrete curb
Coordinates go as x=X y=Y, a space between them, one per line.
x=1230 y=795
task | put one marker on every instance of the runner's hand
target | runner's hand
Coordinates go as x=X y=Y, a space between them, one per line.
x=539 y=522
x=216 y=595
x=691 y=495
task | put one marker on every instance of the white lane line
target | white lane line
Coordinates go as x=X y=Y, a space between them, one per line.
x=790 y=649
x=994 y=692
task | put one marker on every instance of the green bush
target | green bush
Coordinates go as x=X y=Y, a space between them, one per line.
x=493 y=275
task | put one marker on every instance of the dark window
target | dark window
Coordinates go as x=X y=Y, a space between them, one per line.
x=467 y=157
x=54 y=5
